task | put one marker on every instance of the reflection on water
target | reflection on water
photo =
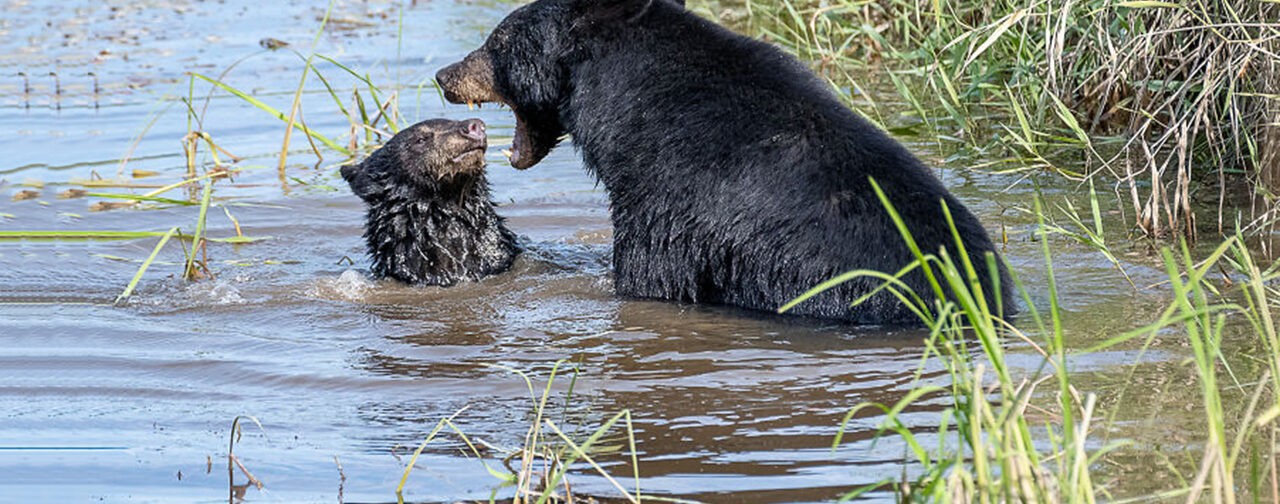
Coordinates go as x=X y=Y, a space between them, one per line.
x=135 y=403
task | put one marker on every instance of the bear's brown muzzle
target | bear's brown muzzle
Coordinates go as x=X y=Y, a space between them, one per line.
x=469 y=81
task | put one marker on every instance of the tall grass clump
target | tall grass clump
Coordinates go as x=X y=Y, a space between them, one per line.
x=1178 y=102
x=1010 y=436
x=990 y=451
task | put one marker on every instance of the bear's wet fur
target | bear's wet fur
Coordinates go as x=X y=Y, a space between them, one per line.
x=735 y=175
x=430 y=220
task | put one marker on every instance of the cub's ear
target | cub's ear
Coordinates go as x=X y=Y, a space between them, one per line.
x=362 y=184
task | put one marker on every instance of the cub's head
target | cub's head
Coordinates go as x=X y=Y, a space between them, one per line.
x=422 y=157
x=525 y=64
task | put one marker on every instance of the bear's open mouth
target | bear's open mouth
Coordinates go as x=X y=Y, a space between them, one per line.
x=535 y=135
x=520 y=146
x=528 y=145
x=471 y=81
x=525 y=150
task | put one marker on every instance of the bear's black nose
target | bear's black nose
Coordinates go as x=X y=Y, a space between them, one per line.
x=473 y=128
x=444 y=82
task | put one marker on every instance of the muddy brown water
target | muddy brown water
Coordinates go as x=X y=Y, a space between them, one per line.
x=135 y=403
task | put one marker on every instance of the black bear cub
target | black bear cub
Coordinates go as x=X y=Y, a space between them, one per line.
x=430 y=220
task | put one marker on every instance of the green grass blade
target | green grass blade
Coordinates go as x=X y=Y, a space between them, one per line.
x=580 y=452
x=849 y=276
x=189 y=272
x=418 y=452
x=271 y=110
x=138 y=197
x=128 y=290
x=41 y=235
x=906 y=237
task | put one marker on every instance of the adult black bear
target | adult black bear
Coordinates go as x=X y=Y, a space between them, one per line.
x=735 y=175
x=430 y=220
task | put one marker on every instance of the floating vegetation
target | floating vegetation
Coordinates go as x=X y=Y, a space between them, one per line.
x=26 y=194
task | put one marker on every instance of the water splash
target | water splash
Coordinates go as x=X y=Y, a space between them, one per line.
x=351 y=285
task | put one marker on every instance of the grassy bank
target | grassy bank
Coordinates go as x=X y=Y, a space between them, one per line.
x=1174 y=104
x=1016 y=437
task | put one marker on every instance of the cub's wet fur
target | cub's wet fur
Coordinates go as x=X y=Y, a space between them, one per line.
x=430 y=220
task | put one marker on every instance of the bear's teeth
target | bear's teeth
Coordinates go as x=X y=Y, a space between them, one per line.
x=471 y=105
x=507 y=152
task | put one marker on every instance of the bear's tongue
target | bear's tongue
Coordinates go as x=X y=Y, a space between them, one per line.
x=522 y=146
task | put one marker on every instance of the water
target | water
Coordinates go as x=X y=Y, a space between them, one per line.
x=136 y=403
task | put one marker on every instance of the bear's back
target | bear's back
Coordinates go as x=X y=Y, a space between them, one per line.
x=738 y=177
